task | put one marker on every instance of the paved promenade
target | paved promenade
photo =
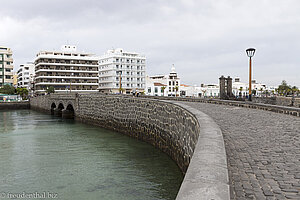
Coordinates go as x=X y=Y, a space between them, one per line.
x=263 y=151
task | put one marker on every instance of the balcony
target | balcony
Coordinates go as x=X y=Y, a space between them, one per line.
x=65 y=83
x=67 y=77
x=66 y=70
x=66 y=64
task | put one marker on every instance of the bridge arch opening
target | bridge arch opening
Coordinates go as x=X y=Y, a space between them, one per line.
x=53 y=106
x=60 y=106
x=59 y=109
x=68 y=113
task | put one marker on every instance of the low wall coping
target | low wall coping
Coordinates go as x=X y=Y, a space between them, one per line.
x=207 y=174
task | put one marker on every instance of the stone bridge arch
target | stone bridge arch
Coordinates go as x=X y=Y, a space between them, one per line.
x=52 y=108
x=62 y=108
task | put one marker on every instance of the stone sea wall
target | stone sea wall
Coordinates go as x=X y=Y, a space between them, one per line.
x=166 y=126
x=14 y=105
x=191 y=138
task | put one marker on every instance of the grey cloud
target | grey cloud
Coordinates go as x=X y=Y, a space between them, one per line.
x=204 y=39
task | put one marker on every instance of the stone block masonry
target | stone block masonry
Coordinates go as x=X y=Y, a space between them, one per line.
x=168 y=127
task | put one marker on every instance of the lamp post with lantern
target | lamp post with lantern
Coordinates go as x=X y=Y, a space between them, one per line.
x=250 y=53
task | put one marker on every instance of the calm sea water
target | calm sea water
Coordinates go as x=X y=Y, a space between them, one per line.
x=42 y=153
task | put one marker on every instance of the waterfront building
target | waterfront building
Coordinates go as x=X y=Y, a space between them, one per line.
x=189 y=91
x=6 y=66
x=170 y=84
x=26 y=74
x=122 y=70
x=66 y=70
x=154 y=88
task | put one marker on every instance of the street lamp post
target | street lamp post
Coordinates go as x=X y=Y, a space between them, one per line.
x=250 y=53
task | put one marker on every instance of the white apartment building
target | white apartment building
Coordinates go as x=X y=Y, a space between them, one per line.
x=26 y=74
x=123 y=70
x=6 y=66
x=66 y=70
x=163 y=85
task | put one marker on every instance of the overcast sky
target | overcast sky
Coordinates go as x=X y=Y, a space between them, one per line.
x=204 y=39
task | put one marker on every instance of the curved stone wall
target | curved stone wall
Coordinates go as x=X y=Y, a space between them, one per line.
x=168 y=127
x=188 y=136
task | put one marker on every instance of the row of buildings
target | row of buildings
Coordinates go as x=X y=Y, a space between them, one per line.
x=69 y=70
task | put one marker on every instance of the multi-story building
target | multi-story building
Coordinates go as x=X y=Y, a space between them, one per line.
x=26 y=74
x=163 y=85
x=6 y=66
x=122 y=71
x=66 y=70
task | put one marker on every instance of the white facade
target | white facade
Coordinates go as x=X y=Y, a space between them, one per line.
x=155 y=88
x=170 y=83
x=66 y=70
x=26 y=74
x=118 y=66
x=6 y=66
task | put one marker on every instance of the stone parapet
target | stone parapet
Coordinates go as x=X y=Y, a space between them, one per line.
x=261 y=106
x=280 y=101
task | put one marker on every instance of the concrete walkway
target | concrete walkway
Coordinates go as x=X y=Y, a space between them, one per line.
x=263 y=151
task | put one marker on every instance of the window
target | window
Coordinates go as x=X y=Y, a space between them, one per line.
x=155 y=89
x=170 y=83
x=177 y=83
x=117 y=66
x=149 y=90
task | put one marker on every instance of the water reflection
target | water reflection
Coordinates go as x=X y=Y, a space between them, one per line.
x=78 y=161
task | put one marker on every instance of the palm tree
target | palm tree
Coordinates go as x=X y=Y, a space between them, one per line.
x=163 y=90
x=176 y=89
x=121 y=90
x=261 y=91
x=241 y=89
x=204 y=91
